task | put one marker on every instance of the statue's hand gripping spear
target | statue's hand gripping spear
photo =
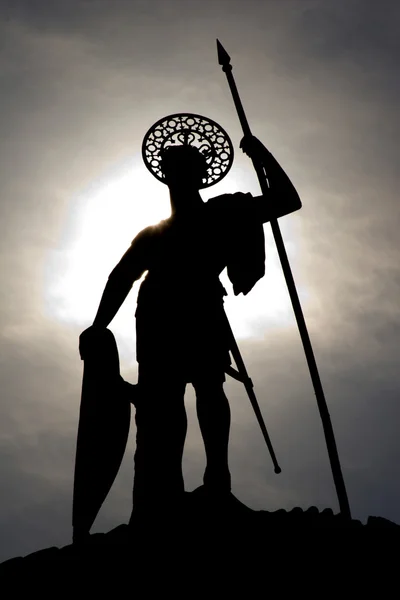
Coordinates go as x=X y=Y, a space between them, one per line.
x=225 y=61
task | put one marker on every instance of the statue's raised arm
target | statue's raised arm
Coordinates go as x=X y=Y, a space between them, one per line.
x=282 y=198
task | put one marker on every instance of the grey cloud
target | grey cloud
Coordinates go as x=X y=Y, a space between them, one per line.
x=319 y=81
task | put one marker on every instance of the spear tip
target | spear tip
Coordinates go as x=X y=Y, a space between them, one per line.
x=223 y=57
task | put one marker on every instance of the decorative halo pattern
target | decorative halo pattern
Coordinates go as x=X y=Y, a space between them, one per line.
x=189 y=129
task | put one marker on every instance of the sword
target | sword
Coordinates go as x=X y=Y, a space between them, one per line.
x=241 y=375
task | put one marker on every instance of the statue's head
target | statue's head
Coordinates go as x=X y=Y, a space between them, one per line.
x=185 y=149
x=183 y=166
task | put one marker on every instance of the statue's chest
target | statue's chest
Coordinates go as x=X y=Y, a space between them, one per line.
x=186 y=245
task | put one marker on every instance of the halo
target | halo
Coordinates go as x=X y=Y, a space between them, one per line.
x=206 y=135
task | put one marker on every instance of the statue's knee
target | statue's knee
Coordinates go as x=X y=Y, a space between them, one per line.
x=209 y=391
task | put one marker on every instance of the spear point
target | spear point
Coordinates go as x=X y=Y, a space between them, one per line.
x=223 y=57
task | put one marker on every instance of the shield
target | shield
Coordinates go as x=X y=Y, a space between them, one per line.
x=104 y=422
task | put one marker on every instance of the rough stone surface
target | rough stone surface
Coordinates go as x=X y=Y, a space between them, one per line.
x=216 y=543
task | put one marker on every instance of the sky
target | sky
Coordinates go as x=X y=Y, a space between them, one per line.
x=82 y=82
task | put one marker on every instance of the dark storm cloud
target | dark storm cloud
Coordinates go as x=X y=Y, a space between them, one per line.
x=81 y=82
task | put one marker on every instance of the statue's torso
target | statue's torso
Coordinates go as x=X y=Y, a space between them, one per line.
x=185 y=258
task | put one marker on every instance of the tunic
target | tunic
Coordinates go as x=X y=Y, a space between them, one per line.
x=180 y=320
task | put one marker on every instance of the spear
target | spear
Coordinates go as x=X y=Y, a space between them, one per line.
x=225 y=61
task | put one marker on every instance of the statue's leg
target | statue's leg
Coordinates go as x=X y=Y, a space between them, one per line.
x=161 y=430
x=214 y=418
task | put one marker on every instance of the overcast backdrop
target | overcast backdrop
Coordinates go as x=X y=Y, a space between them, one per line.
x=82 y=81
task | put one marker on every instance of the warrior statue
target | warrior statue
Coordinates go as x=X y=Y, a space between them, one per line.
x=181 y=326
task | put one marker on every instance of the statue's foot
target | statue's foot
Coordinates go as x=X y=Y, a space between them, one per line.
x=158 y=511
x=210 y=498
x=80 y=536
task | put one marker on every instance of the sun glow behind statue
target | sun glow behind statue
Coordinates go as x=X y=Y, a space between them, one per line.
x=101 y=224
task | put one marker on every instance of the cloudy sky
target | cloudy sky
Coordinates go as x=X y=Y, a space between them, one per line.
x=82 y=81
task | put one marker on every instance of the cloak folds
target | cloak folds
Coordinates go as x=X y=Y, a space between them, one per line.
x=246 y=263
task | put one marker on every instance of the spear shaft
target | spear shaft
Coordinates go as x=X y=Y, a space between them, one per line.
x=224 y=61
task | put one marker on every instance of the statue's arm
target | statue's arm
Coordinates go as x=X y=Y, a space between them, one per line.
x=282 y=198
x=114 y=294
x=129 y=269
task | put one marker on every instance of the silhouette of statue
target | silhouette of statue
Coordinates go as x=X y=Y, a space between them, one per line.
x=180 y=321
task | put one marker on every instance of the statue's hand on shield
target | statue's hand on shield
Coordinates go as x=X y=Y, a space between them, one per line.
x=89 y=340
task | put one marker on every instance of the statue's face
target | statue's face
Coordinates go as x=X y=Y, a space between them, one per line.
x=184 y=167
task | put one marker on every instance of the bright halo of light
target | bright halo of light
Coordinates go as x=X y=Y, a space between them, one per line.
x=102 y=222
x=100 y=227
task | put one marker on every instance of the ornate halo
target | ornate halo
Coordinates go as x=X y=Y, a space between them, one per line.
x=189 y=129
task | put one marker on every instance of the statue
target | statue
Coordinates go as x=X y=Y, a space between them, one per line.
x=182 y=331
